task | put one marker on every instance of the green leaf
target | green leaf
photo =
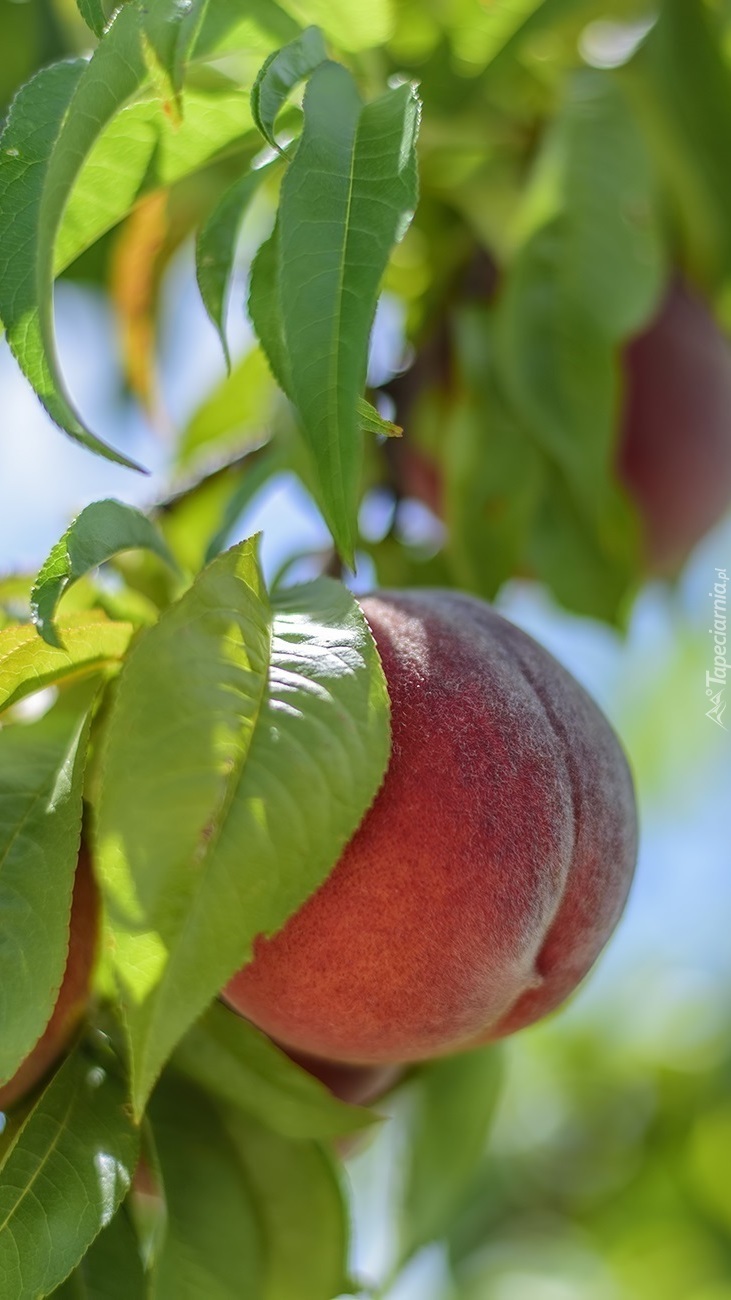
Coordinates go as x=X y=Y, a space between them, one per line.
x=265 y=312
x=102 y=530
x=29 y=142
x=350 y=24
x=255 y=475
x=228 y=1057
x=346 y=198
x=236 y=413
x=681 y=87
x=371 y=421
x=301 y=1206
x=213 y=1244
x=170 y=30
x=64 y=1177
x=112 y=1267
x=283 y=70
x=253 y=29
x=141 y=150
x=41 y=780
x=493 y=472
x=613 y=260
x=494 y=33
x=557 y=368
x=215 y=249
x=91 y=644
x=245 y=744
x=94 y=15
x=453 y=1105
x=581 y=565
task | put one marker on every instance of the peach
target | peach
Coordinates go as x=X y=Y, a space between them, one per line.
x=490 y=870
x=675 y=450
x=360 y=1085
x=73 y=994
x=674 y=437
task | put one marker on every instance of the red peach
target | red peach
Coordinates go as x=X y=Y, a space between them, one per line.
x=675 y=451
x=73 y=994
x=490 y=870
x=360 y=1085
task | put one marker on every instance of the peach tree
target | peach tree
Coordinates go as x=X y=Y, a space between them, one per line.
x=530 y=189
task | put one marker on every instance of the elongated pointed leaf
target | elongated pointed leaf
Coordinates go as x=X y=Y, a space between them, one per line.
x=265 y=309
x=346 y=199
x=454 y=1103
x=283 y=70
x=91 y=645
x=213 y=1245
x=41 y=779
x=26 y=276
x=371 y=421
x=267 y=319
x=30 y=136
x=215 y=249
x=300 y=1203
x=102 y=530
x=64 y=1177
x=227 y=1056
x=94 y=15
x=141 y=150
x=170 y=30
x=245 y=745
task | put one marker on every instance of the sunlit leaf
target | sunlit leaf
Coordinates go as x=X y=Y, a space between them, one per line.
x=488 y=34
x=91 y=645
x=349 y=23
x=102 y=530
x=28 y=143
x=257 y=28
x=170 y=30
x=371 y=421
x=235 y=724
x=140 y=151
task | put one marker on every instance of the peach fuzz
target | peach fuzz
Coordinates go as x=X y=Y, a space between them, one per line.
x=488 y=874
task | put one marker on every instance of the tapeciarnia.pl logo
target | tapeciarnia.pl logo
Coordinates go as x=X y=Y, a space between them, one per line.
x=716 y=681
